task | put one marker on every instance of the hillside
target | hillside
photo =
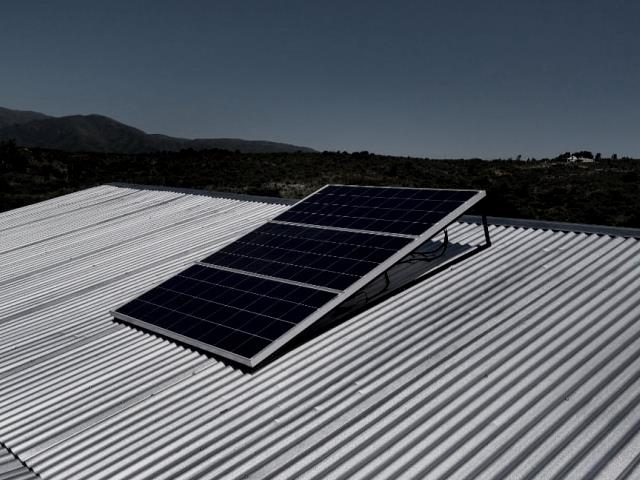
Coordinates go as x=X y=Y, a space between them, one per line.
x=97 y=133
x=10 y=117
x=606 y=192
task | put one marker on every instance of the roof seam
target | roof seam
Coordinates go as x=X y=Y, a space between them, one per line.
x=18 y=461
x=503 y=221
x=84 y=227
x=627 y=232
x=207 y=193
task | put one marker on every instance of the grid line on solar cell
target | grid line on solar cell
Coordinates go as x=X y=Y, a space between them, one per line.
x=349 y=256
x=198 y=278
x=216 y=324
x=221 y=336
x=268 y=277
x=389 y=210
x=310 y=255
x=245 y=291
x=248 y=310
x=355 y=239
x=231 y=311
x=241 y=258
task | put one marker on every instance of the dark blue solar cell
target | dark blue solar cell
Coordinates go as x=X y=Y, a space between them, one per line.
x=274 y=329
x=227 y=310
x=260 y=304
x=318 y=298
x=163 y=318
x=299 y=297
x=387 y=210
x=327 y=258
x=297 y=313
x=441 y=195
x=197 y=289
x=129 y=309
x=197 y=328
x=229 y=338
x=461 y=195
x=250 y=346
x=173 y=282
x=404 y=192
x=332 y=281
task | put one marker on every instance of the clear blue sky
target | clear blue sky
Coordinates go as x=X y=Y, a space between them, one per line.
x=423 y=78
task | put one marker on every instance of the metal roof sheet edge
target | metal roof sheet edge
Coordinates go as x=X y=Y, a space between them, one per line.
x=503 y=221
x=556 y=226
x=207 y=193
x=12 y=467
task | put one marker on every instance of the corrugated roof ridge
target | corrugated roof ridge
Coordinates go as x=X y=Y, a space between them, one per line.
x=557 y=226
x=207 y=193
x=503 y=221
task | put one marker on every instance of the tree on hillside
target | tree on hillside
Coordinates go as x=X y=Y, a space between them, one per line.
x=11 y=158
x=583 y=154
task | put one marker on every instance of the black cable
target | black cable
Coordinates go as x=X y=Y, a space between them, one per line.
x=426 y=258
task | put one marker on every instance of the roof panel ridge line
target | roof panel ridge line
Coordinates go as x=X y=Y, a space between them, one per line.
x=342 y=229
x=70 y=211
x=185 y=371
x=268 y=277
x=91 y=226
x=205 y=193
x=62 y=351
x=89 y=288
x=627 y=232
x=156 y=229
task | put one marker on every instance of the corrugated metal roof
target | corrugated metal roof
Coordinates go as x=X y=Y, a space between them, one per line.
x=12 y=469
x=523 y=361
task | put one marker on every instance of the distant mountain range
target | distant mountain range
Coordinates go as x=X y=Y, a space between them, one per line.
x=97 y=133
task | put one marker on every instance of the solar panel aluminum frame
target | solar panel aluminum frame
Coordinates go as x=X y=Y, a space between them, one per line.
x=378 y=232
x=327 y=307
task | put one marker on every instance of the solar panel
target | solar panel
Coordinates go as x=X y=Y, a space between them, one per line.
x=247 y=299
x=316 y=256
x=230 y=311
x=381 y=209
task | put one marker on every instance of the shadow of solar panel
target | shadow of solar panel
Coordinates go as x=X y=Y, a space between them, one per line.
x=409 y=211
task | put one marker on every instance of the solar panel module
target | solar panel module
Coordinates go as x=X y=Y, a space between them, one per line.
x=234 y=312
x=380 y=209
x=246 y=300
x=317 y=256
